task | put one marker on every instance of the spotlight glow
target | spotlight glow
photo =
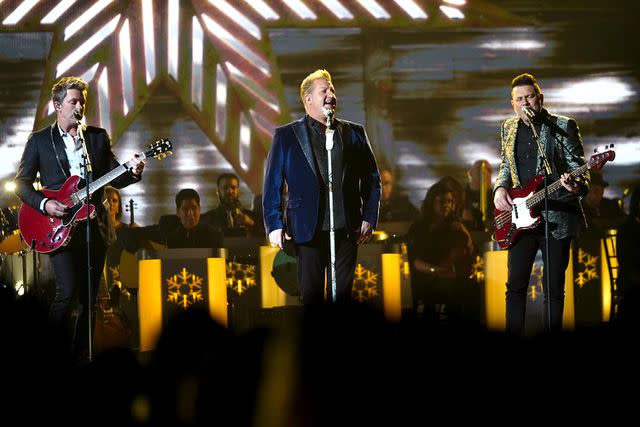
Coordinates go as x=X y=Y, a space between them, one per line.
x=337 y=9
x=599 y=90
x=300 y=9
x=412 y=9
x=84 y=19
x=263 y=9
x=242 y=21
x=374 y=9
x=452 y=12
x=20 y=12
x=87 y=46
x=57 y=11
x=513 y=45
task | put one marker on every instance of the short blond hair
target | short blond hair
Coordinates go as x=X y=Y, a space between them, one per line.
x=305 y=86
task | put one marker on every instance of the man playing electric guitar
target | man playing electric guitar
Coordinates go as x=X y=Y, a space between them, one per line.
x=521 y=163
x=55 y=152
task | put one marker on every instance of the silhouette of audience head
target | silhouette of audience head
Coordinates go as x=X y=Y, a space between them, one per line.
x=188 y=207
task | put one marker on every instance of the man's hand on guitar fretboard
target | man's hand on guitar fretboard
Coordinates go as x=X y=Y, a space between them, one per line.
x=571 y=183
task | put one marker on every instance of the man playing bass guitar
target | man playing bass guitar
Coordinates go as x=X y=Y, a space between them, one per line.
x=560 y=139
x=55 y=152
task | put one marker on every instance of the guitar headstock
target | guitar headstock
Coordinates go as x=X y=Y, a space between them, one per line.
x=599 y=159
x=159 y=149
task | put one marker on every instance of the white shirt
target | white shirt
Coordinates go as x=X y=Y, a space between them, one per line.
x=74 y=154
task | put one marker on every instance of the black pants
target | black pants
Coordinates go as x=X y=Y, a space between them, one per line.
x=313 y=260
x=521 y=257
x=70 y=269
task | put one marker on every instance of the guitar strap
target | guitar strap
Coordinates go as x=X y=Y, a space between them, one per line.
x=55 y=151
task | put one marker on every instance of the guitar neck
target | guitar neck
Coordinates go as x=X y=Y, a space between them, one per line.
x=105 y=179
x=538 y=196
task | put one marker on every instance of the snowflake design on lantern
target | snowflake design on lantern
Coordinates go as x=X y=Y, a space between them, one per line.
x=184 y=289
x=240 y=277
x=365 y=284
x=477 y=269
x=535 y=287
x=588 y=268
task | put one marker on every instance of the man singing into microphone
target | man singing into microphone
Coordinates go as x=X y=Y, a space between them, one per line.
x=56 y=153
x=520 y=163
x=298 y=160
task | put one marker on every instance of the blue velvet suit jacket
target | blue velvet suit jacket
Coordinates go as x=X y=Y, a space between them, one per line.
x=291 y=162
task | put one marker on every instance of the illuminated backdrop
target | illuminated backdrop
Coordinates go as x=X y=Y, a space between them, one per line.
x=429 y=79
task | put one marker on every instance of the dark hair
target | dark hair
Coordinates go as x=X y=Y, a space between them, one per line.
x=109 y=189
x=447 y=184
x=525 y=79
x=60 y=88
x=187 y=194
x=226 y=176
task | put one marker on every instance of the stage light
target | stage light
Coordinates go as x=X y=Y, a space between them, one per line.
x=221 y=103
x=598 y=90
x=456 y=2
x=374 y=9
x=512 y=45
x=9 y=186
x=87 y=46
x=337 y=9
x=300 y=9
x=84 y=19
x=124 y=38
x=20 y=12
x=19 y=288
x=227 y=38
x=412 y=9
x=452 y=12
x=242 y=21
x=57 y=11
x=149 y=42
x=263 y=9
x=173 y=37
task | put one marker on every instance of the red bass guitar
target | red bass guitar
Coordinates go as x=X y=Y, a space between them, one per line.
x=45 y=233
x=508 y=224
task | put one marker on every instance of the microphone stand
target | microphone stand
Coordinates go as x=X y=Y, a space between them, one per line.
x=332 y=230
x=88 y=171
x=547 y=173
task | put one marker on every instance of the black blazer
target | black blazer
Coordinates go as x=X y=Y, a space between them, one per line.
x=44 y=153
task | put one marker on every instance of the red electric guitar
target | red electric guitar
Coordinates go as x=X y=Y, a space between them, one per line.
x=508 y=224
x=45 y=233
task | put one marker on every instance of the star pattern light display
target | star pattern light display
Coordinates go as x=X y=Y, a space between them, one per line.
x=215 y=56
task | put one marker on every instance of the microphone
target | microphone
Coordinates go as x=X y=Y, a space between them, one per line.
x=77 y=114
x=328 y=114
x=528 y=112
